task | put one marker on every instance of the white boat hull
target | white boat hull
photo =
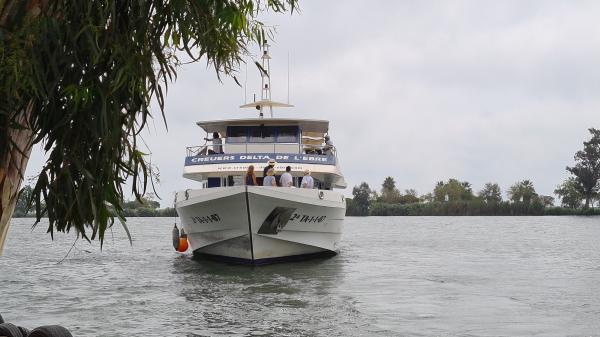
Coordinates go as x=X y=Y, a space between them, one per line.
x=252 y=224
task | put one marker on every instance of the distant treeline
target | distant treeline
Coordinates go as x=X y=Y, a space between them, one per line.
x=453 y=198
x=577 y=194
x=466 y=208
x=146 y=208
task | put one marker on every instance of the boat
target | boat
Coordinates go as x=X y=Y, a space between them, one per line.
x=226 y=219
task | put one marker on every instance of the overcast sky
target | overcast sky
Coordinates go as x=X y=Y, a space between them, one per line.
x=482 y=91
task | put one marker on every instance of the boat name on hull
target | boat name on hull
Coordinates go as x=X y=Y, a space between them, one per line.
x=207 y=218
x=307 y=218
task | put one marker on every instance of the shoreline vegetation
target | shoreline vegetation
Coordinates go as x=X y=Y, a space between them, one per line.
x=456 y=198
x=577 y=194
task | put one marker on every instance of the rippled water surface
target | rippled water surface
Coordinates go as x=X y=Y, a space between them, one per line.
x=394 y=276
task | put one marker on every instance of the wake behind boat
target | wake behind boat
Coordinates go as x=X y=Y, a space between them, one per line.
x=230 y=219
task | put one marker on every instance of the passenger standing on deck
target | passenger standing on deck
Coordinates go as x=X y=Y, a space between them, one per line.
x=251 y=177
x=217 y=143
x=307 y=180
x=286 y=178
x=270 y=165
x=269 y=180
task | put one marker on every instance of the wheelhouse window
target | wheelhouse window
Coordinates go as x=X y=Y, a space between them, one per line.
x=262 y=134
x=237 y=134
x=287 y=134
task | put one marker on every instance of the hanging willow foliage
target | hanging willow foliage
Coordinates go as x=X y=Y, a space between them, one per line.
x=87 y=71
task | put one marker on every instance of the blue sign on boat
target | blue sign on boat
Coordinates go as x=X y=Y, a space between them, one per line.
x=260 y=158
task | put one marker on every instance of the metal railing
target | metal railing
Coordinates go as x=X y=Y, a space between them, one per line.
x=192 y=151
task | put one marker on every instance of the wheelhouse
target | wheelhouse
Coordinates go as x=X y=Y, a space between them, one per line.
x=298 y=143
x=272 y=135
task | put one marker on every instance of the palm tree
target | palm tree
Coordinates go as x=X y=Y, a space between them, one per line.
x=79 y=77
x=522 y=191
x=491 y=193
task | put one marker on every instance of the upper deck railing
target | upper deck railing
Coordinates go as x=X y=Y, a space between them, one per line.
x=201 y=150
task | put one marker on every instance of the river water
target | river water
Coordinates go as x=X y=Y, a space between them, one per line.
x=394 y=276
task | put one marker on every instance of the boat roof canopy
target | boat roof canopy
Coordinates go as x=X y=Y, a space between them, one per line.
x=220 y=126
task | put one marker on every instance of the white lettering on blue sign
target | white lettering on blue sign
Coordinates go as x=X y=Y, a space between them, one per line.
x=260 y=157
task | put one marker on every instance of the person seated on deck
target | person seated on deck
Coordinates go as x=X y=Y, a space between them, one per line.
x=312 y=142
x=269 y=180
x=286 y=179
x=328 y=148
x=307 y=180
x=251 y=177
x=217 y=144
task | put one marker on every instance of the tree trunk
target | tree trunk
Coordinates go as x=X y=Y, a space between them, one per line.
x=14 y=157
x=12 y=170
x=587 y=202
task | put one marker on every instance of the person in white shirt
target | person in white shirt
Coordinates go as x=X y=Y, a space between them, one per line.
x=307 y=180
x=217 y=143
x=269 y=180
x=286 y=179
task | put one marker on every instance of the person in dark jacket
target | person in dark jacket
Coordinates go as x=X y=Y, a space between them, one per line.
x=270 y=164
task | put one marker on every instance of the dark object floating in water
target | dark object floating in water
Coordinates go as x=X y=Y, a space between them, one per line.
x=10 y=330
x=50 y=331
x=24 y=331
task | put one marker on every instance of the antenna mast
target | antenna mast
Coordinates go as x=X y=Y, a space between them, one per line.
x=246 y=85
x=288 y=101
x=265 y=95
x=266 y=78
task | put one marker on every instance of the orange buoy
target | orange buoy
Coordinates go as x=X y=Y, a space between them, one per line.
x=183 y=242
x=183 y=245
